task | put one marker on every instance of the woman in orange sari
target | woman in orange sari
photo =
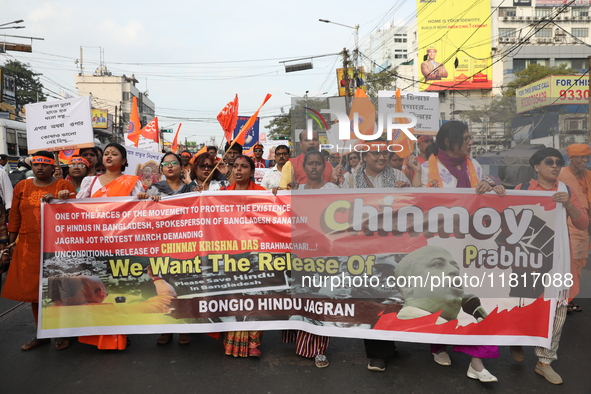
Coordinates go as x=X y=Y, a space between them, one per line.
x=22 y=281
x=243 y=343
x=113 y=183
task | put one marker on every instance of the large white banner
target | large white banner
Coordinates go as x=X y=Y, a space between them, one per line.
x=59 y=125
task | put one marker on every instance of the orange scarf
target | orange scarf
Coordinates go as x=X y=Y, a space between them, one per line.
x=119 y=187
x=251 y=186
x=434 y=179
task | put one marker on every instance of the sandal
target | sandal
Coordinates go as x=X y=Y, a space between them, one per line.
x=164 y=339
x=184 y=339
x=254 y=352
x=35 y=343
x=62 y=343
x=572 y=307
x=321 y=361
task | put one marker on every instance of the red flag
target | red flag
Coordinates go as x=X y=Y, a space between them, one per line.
x=133 y=129
x=228 y=118
x=151 y=131
x=175 y=140
x=241 y=137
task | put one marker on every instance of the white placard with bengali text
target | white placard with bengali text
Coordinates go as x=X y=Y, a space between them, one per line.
x=59 y=125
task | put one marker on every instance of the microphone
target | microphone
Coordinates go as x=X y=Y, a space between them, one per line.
x=472 y=306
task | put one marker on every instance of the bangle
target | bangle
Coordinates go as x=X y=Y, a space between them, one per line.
x=155 y=279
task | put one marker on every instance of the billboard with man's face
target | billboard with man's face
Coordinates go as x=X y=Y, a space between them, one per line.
x=454 y=45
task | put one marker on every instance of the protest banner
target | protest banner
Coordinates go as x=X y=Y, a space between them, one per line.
x=476 y=269
x=59 y=125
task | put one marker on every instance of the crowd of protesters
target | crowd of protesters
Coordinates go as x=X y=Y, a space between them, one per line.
x=443 y=161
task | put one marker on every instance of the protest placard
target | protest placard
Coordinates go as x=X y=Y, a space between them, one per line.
x=59 y=125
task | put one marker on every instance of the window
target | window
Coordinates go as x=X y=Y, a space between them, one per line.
x=507 y=11
x=543 y=12
x=503 y=32
x=580 y=31
x=545 y=32
x=22 y=145
x=399 y=56
x=580 y=11
x=11 y=142
x=521 y=64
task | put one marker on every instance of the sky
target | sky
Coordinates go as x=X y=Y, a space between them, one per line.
x=193 y=57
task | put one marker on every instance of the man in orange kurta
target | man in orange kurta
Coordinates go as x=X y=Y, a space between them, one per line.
x=578 y=178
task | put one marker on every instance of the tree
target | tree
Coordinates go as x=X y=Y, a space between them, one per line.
x=28 y=87
x=534 y=72
x=284 y=125
x=384 y=80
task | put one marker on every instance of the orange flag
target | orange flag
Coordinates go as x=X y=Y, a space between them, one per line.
x=398 y=137
x=151 y=131
x=175 y=140
x=366 y=111
x=66 y=155
x=202 y=150
x=134 y=127
x=241 y=137
x=228 y=118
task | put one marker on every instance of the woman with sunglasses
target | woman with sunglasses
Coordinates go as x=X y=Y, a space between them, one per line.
x=547 y=163
x=78 y=169
x=201 y=171
x=452 y=167
x=170 y=166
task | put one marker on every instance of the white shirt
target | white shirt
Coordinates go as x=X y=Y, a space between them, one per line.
x=5 y=189
x=271 y=178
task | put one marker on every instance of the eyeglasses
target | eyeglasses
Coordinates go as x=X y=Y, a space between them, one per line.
x=258 y=150
x=377 y=154
x=550 y=162
x=582 y=158
x=169 y=163
x=80 y=165
x=205 y=166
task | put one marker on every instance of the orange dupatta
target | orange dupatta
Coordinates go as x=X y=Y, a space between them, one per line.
x=251 y=186
x=120 y=187
x=434 y=179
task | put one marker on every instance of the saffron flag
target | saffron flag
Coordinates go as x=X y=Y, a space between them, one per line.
x=202 y=150
x=228 y=117
x=366 y=113
x=66 y=155
x=241 y=137
x=150 y=136
x=134 y=127
x=175 y=140
x=398 y=136
x=151 y=130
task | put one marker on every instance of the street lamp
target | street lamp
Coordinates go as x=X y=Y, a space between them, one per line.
x=12 y=27
x=356 y=28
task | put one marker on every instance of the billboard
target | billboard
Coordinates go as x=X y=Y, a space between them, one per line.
x=553 y=90
x=454 y=45
x=7 y=88
x=354 y=81
x=99 y=118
